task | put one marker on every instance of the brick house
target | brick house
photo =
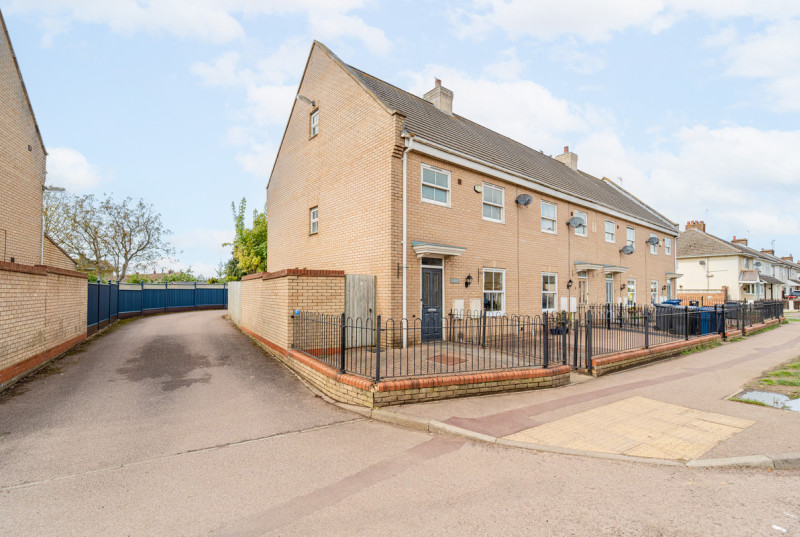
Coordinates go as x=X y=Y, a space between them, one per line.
x=42 y=297
x=710 y=263
x=447 y=214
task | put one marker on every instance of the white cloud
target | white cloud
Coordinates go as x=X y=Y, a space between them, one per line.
x=594 y=21
x=68 y=168
x=507 y=67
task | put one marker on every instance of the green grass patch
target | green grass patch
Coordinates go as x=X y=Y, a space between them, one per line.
x=749 y=401
x=768 y=382
x=735 y=339
x=792 y=320
x=701 y=348
x=788 y=382
x=783 y=373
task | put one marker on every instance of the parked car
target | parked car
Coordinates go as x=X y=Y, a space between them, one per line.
x=794 y=295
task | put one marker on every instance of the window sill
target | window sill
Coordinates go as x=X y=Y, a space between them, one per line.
x=493 y=220
x=549 y=232
x=438 y=203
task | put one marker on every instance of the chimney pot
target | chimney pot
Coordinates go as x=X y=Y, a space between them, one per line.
x=696 y=224
x=568 y=158
x=566 y=149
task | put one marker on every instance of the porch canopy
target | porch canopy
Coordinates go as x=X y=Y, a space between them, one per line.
x=613 y=269
x=794 y=281
x=581 y=266
x=749 y=276
x=422 y=249
x=770 y=279
x=672 y=275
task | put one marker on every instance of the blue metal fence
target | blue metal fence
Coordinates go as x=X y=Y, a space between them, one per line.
x=108 y=302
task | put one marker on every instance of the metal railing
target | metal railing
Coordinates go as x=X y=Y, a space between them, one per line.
x=465 y=341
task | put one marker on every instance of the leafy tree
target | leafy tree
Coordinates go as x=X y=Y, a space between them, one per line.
x=106 y=236
x=249 y=245
x=180 y=276
x=229 y=271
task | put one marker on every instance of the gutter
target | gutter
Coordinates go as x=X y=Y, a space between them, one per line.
x=409 y=142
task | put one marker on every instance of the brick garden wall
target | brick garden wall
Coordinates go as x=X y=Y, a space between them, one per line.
x=42 y=314
x=706 y=297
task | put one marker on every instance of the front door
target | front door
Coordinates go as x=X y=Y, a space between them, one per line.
x=431 y=303
x=609 y=289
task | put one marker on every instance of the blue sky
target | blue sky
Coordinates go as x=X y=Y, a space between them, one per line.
x=693 y=104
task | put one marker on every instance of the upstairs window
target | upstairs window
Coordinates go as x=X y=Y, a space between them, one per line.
x=580 y=231
x=314 y=123
x=493 y=202
x=631 y=237
x=314 y=217
x=435 y=186
x=548 y=217
x=611 y=231
x=654 y=247
x=668 y=246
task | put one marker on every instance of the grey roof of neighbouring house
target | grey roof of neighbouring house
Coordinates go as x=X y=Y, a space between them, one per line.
x=696 y=243
x=457 y=133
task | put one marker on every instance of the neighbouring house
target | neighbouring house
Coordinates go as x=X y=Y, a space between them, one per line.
x=730 y=269
x=447 y=214
x=42 y=296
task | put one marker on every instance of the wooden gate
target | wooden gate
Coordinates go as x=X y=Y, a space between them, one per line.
x=359 y=308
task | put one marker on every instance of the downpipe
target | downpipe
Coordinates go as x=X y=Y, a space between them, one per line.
x=409 y=144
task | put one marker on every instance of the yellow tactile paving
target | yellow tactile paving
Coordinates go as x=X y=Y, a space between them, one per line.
x=640 y=427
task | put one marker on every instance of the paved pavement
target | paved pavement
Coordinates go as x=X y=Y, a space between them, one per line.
x=179 y=425
x=696 y=382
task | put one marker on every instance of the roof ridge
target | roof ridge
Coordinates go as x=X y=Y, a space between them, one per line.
x=637 y=200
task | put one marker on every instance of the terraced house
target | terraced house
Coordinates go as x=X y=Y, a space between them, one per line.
x=448 y=214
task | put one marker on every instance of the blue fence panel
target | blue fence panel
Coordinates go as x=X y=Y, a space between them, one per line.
x=103 y=302
x=154 y=298
x=130 y=300
x=211 y=297
x=114 y=301
x=91 y=305
x=134 y=298
x=181 y=297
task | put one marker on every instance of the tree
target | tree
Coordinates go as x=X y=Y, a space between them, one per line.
x=229 y=271
x=106 y=236
x=249 y=245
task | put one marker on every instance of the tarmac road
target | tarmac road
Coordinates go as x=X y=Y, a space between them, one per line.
x=179 y=425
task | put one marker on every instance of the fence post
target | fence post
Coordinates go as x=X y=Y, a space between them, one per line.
x=141 y=300
x=608 y=315
x=194 y=296
x=483 y=328
x=646 y=329
x=545 y=340
x=378 y=350
x=575 y=323
x=686 y=321
x=724 y=323
x=589 y=339
x=166 y=296
x=98 y=303
x=342 y=342
x=564 y=327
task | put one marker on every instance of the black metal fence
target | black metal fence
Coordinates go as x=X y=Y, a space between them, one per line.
x=465 y=341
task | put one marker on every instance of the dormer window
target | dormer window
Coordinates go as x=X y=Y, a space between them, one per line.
x=314 y=123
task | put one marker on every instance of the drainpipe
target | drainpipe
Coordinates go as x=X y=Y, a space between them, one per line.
x=409 y=144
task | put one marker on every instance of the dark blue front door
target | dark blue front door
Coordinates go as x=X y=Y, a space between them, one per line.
x=431 y=304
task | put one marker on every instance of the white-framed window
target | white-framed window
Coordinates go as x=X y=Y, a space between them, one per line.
x=493 y=203
x=583 y=288
x=580 y=231
x=747 y=288
x=669 y=290
x=314 y=219
x=654 y=247
x=668 y=246
x=435 y=185
x=611 y=231
x=549 y=212
x=314 y=123
x=746 y=262
x=549 y=291
x=631 y=291
x=654 y=292
x=630 y=237
x=494 y=291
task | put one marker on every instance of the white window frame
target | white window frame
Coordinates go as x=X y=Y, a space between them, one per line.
x=668 y=246
x=313 y=216
x=581 y=214
x=554 y=293
x=628 y=290
x=502 y=293
x=654 y=291
x=314 y=125
x=630 y=232
x=653 y=247
x=554 y=231
x=502 y=206
x=613 y=231
x=423 y=184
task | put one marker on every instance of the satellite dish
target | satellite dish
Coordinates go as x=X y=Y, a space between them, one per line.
x=576 y=221
x=524 y=199
x=627 y=249
x=758 y=263
x=653 y=241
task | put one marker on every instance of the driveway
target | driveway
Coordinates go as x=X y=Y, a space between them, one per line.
x=179 y=425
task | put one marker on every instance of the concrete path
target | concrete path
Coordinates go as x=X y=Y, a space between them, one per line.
x=179 y=425
x=687 y=386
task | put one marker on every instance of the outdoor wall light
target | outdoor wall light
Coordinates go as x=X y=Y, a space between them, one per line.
x=622 y=287
x=663 y=287
x=569 y=283
x=467 y=280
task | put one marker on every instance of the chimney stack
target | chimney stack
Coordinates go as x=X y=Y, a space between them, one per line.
x=699 y=225
x=567 y=158
x=770 y=252
x=743 y=242
x=788 y=258
x=440 y=97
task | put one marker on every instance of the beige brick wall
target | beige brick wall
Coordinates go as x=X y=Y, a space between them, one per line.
x=352 y=170
x=346 y=171
x=55 y=257
x=22 y=171
x=38 y=312
x=268 y=304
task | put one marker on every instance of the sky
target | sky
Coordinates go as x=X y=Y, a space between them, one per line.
x=692 y=105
